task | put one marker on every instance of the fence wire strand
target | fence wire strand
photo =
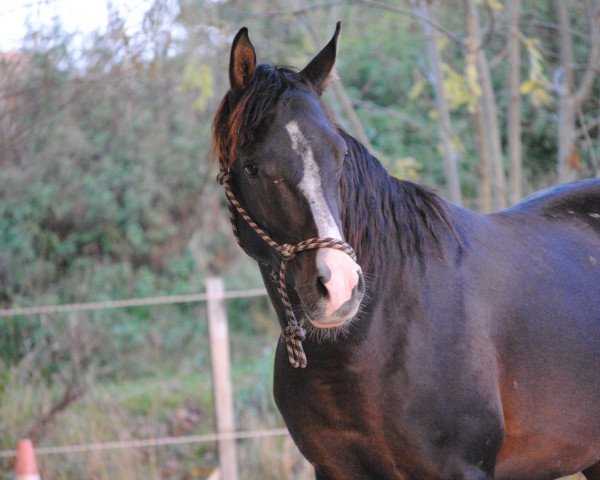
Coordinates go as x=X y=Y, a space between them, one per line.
x=131 y=302
x=152 y=442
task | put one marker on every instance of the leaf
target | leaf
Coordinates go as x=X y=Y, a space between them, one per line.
x=528 y=86
x=495 y=5
x=457 y=144
x=406 y=168
x=460 y=91
x=574 y=161
x=198 y=78
x=417 y=89
x=540 y=97
x=442 y=43
x=537 y=85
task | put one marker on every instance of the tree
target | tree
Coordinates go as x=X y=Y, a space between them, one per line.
x=472 y=46
x=571 y=96
x=479 y=77
x=514 y=106
x=426 y=17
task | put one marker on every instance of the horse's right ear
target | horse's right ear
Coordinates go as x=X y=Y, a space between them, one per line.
x=242 y=61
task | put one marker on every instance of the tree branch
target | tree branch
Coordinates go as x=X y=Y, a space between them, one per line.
x=553 y=26
x=593 y=63
x=514 y=105
x=367 y=3
x=491 y=27
x=563 y=76
x=70 y=395
x=586 y=134
x=450 y=153
x=301 y=10
x=410 y=13
x=586 y=127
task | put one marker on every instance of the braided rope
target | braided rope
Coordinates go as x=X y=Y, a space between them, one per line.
x=294 y=334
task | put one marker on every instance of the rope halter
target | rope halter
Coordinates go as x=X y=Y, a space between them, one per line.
x=294 y=334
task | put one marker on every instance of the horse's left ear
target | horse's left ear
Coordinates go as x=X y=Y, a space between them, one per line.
x=320 y=70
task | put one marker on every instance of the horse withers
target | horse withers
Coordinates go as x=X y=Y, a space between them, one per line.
x=421 y=340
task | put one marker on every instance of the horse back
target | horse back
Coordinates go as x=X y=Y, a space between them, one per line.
x=577 y=199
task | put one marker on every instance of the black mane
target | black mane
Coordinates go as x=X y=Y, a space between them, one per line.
x=381 y=213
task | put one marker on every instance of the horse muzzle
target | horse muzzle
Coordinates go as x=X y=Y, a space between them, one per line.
x=340 y=289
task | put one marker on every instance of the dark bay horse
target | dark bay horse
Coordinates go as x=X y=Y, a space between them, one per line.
x=457 y=345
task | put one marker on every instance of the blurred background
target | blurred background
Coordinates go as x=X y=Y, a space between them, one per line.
x=108 y=191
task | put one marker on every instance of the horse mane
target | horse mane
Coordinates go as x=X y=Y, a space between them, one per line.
x=374 y=204
x=239 y=116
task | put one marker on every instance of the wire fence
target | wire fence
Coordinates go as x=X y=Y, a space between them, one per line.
x=152 y=442
x=225 y=436
x=131 y=302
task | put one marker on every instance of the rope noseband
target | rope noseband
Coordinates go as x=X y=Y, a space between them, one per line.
x=294 y=333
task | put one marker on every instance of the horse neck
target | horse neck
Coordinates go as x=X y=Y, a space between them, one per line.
x=389 y=222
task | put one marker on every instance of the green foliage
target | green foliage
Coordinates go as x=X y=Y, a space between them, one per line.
x=536 y=85
x=198 y=78
x=461 y=93
x=110 y=187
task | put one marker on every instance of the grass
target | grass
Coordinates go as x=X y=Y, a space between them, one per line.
x=157 y=403
x=159 y=394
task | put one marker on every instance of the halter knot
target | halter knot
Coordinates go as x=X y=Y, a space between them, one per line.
x=288 y=251
x=294 y=332
x=294 y=335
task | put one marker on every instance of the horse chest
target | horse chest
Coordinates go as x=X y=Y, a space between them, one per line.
x=346 y=427
x=375 y=422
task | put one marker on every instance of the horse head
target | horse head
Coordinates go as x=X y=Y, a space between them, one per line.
x=284 y=158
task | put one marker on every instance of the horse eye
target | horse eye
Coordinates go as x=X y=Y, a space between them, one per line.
x=251 y=170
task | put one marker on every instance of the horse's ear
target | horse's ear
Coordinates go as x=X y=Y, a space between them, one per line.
x=242 y=61
x=320 y=70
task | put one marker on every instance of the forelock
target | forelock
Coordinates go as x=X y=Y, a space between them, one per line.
x=239 y=117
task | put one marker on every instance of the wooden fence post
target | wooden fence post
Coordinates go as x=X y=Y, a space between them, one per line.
x=219 y=351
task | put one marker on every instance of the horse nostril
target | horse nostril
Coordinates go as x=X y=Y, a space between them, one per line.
x=321 y=288
x=324 y=273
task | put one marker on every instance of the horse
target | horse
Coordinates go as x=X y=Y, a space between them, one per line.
x=421 y=340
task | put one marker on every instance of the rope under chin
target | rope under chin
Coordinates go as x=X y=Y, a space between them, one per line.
x=294 y=334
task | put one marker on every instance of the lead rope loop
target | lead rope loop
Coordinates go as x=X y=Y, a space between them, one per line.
x=293 y=334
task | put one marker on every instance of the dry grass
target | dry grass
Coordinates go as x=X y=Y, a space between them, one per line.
x=157 y=406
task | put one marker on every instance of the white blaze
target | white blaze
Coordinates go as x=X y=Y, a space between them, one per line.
x=310 y=185
x=344 y=271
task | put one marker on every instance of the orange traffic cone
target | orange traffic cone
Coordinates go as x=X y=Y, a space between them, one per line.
x=26 y=466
